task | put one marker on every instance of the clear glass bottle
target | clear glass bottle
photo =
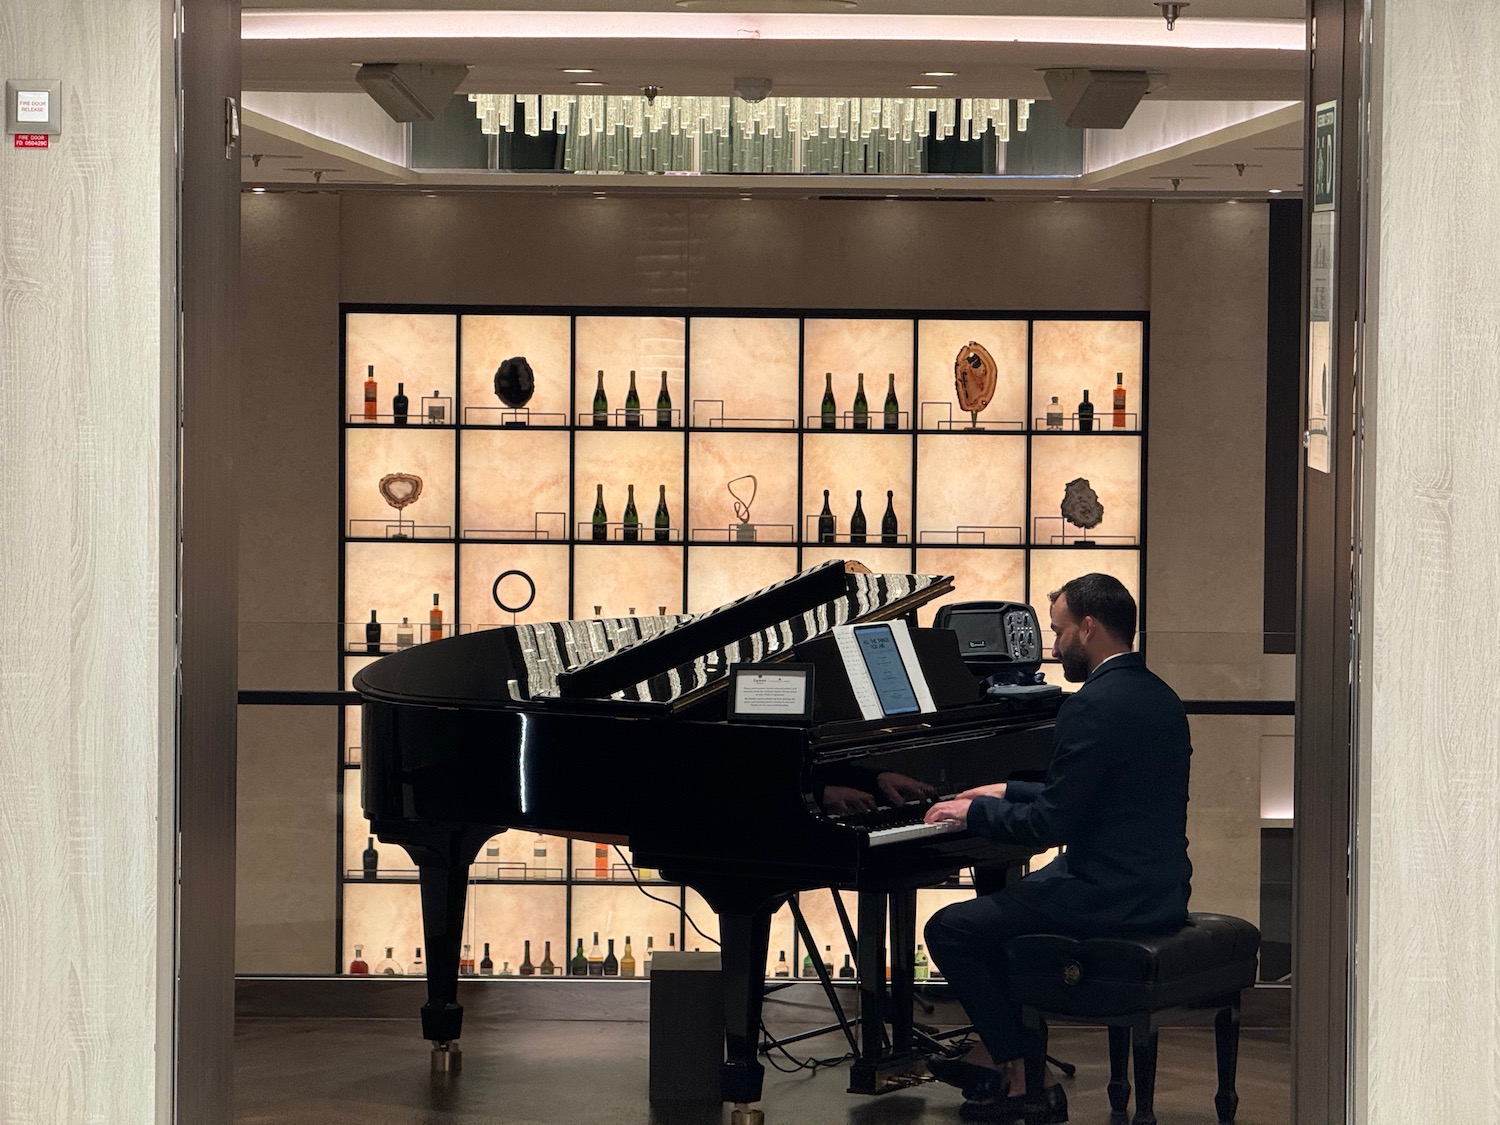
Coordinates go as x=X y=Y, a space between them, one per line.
x=783 y=970
x=1054 y=415
x=388 y=966
x=418 y=967
x=466 y=962
x=828 y=959
x=646 y=960
x=404 y=636
x=596 y=958
x=437 y=412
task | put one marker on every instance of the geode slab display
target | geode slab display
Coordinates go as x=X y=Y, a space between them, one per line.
x=400 y=489
x=975 y=374
x=515 y=382
x=1080 y=504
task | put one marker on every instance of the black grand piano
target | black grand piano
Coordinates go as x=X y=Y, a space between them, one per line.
x=616 y=729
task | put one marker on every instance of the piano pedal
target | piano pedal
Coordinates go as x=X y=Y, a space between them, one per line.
x=745 y=1114
x=447 y=1058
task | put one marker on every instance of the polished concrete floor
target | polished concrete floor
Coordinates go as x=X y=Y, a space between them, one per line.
x=562 y=1072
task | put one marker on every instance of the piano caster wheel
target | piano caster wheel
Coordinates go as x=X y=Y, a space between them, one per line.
x=447 y=1058
x=746 y=1115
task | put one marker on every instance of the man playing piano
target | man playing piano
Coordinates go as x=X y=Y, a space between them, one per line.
x=1116 y=795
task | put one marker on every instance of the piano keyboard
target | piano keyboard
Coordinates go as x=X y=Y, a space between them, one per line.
x=903 y=832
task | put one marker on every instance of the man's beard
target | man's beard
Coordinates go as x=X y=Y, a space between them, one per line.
x=1075 y=664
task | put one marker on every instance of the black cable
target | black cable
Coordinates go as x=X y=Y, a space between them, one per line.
x=634 y=878
x=797 y=1064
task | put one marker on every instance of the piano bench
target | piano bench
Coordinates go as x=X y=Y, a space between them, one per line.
x=1132 y=985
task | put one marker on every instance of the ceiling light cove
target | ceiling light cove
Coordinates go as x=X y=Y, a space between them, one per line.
x=768 y=5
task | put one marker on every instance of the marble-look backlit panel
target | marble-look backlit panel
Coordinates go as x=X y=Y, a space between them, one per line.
x=396 y=580
x=1050 y=569
x=624 y=578
x=479 y=564
x=618 y=459
x=509 y=916
x=717 y=575
x=749 y=364
x=510 y=477
x=882 y=560
x=380 y=916
x=620 y=910
x=371 y=454
x=879 y=348
x=393 y=857
x=543 y=341
x=1111 y=465
x=938 y=344
x=717 y=459
x=971 y=481
x=1068 y=356
x=617 y=345
x=418 y=349
x=978 y=576
x=871 y=463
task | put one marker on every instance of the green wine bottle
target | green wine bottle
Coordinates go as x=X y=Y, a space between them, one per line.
x=857 y=520
x=632 y=405
x=601 y=403
x=663 y=405
x=830 y=416
x=601 y=518
x=888 y=525
x=861 y=406
x=632 y=517
x=892 y=407
x=580 y=964
x=663 y=517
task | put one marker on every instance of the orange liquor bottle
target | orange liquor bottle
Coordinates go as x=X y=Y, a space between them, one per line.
x=1119 y=403
x=370 y=389
x=435 y=621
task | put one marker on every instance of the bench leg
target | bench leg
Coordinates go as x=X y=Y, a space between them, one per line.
x=1227 y=1045
x=1144 y=1044
x=1119 y=1074
x=1035 y=1061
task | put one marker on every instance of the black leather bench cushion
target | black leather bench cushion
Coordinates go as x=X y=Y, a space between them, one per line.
x=1212 y=955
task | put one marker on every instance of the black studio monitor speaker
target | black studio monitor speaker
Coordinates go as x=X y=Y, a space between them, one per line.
x=996 y=638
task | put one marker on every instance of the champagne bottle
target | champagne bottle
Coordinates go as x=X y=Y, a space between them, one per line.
x=646 y=961
x=889 y=528
x=358 y=967
x=418 y=967
x=861 y=406
x=632 y=405
x=372 y=634
x=830 y=409
x=371 y=389
x=827 y=527
x=399 y=405
x=846 y=970
x=601 y=403
x=1085 y=414
x=1119 y=403
x=404 y=634
x=435 y=621
x=601 y=518
x=663 y=517
x=611 y=962
x=370 y=859
x=548 y=968
x=921 y=970
x=596 y=958
x=857 y=520
x=627 y=960
x=388 y=966
x=527 y=968
x=486 y=965
x=1054 y=415
x=892 y=406
x=663 y=405
x=783 y=970
x=580 y=963
x=632 y=517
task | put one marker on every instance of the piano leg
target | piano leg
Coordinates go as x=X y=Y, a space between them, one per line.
x=744 y=942
x=886 y=1064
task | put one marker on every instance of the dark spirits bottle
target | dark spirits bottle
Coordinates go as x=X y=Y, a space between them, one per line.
x=632 y=404
x=627 y=960
x=846 y=970
x=601 y=403
x=435 y=621
x=1085 y=414
x=857 y=520
x=663 y=404
x=372 y=634
x=371 y=390
x=548 y=968
x=829 y=418
x=580 y=964
x=486 y=966
x=611 y=962
x=888 y=525
x=370 y=859
x=527 y=968
x=600 y=530
x=783 y=970
x=861 y=406
x=827 y=528
x=892 y=406
x=1119 y=402
x=632 y=517
x=663 y=517
x=596 y=959
x=399 y=405
x=358 y=967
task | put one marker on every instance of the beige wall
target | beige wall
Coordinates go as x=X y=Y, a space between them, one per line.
x=88 y=378
x=1198 y=268
x=1427 y=900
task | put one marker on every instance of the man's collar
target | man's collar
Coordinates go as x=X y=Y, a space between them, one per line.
x=1115 y=661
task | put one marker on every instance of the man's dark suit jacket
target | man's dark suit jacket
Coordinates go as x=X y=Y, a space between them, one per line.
x=1116 y=795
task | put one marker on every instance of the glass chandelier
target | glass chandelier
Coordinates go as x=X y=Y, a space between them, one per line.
x=729 y=134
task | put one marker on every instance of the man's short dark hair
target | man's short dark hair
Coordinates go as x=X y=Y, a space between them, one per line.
x=1105 y=599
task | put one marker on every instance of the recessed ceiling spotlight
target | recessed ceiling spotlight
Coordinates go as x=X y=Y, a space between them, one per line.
x=599 y=195
x=577 y=70
x=925 y=87
x=259 y=190
x=588 y=83
x=1274 y=191
x=940 y=74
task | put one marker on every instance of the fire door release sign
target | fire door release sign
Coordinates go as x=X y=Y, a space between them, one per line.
x=32 y=140
x=33 y=108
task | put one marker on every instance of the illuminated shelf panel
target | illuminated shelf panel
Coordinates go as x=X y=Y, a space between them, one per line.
x=977 y=498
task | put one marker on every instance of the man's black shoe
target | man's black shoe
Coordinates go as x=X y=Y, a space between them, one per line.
x=1052 y=1110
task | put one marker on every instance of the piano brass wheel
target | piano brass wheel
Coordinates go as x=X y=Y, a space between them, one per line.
x=447 y=1058
x=746 y=1115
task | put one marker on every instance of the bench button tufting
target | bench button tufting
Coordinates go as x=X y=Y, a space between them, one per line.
x=1072 y=972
